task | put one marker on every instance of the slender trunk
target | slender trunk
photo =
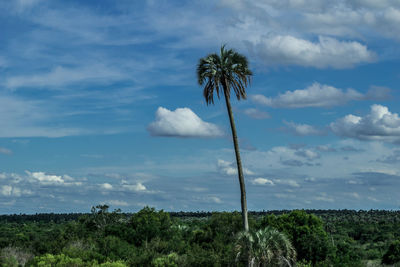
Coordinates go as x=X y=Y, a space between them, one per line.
x=238 y=162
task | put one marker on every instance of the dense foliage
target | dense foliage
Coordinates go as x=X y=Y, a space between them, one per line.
x=158 y=238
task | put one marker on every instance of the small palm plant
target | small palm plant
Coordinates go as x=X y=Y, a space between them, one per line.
x=265 y=247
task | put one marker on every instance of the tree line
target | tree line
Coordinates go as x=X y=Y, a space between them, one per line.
x=158 y=238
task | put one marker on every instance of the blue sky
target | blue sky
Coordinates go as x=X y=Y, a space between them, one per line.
x=99 y=103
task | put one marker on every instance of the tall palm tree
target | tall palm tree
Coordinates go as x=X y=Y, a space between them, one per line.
x=221 y=73
x=265 y=247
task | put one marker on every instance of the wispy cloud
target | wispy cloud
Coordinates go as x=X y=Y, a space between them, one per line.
x=5 y=151
x=302 y=129
x=316 y=95
x=62 y=76
x=256 y=114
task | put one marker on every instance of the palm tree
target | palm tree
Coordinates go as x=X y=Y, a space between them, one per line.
x=265 y=247
x=221 y=73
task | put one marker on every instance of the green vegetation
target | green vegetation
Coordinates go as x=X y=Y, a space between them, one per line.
x=157 y=238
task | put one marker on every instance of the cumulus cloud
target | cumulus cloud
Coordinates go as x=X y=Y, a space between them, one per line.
x=380 y=124
x=6 y=190
x=316 y=95
x=256 y=114
x=213 y=199
x=326 y=52
x=12 y=191
x=106 y=186
x=302 y=129
x=262 y=181
x=49 y=179
x=182 y=122
x=138 y=187
x=230 y=168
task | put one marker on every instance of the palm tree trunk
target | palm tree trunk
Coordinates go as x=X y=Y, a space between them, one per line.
x=238 y=162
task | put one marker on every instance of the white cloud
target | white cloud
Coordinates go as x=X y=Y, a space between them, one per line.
x=138 y=187
x=8 y=190
x=327 y=52
x=45 y=178
x=182 y=122
x=380 y=124
x=360 y=19
x=316 y=95
x=213 y=199
x=49 y=179
x=262 y=181
x=302 y=129
x=106 y=186
x=230 y=168
x=256 y=114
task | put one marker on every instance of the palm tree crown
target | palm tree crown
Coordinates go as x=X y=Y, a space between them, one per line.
x=225 y=71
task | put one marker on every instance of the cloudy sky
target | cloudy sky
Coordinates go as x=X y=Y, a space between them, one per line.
x=99 y=103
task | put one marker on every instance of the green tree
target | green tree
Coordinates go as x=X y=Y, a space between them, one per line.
x=265 y=247
x=306 y=232
x=148 y=224
x=223 y=72
x=170 y=260
x=393 y=254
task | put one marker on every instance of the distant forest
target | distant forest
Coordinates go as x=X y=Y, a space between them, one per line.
x=157 y=238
